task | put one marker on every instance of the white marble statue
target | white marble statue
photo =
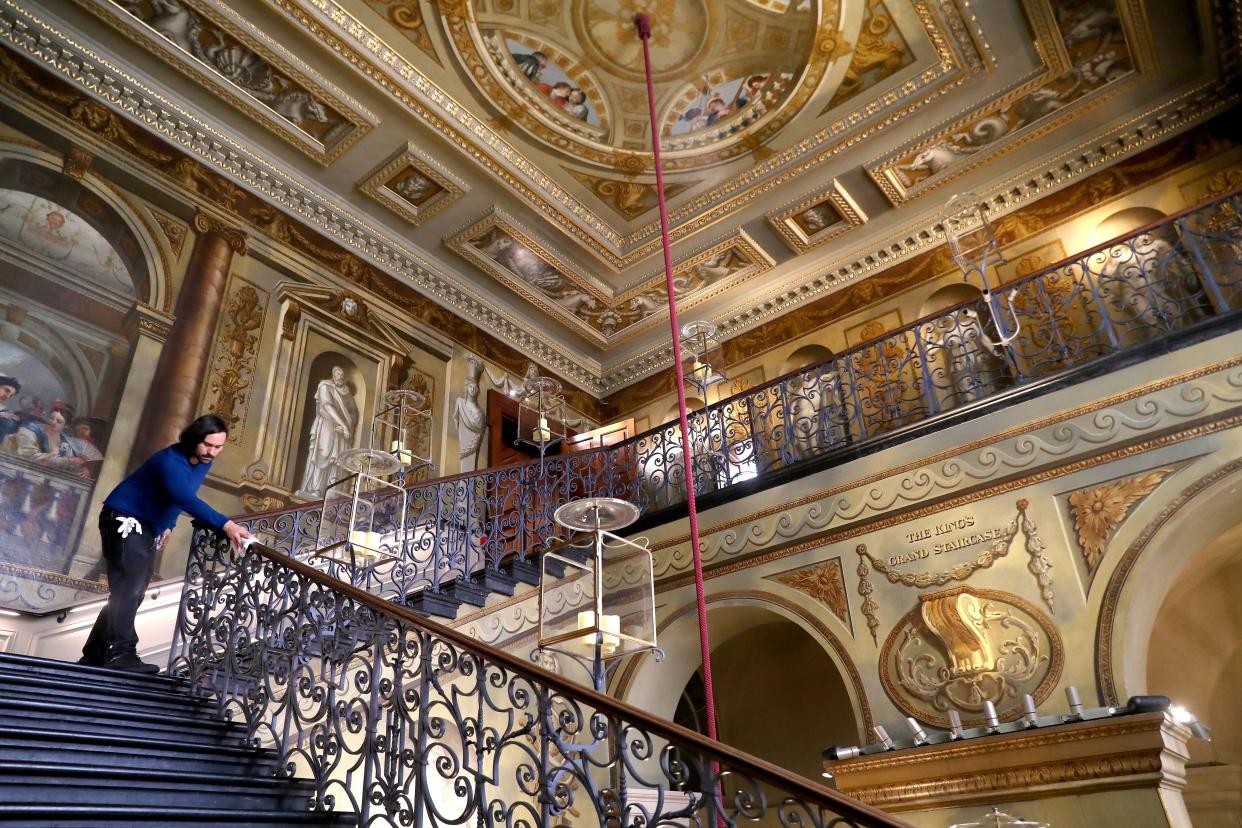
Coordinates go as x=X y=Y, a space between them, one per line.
x=331 y=433
x=470 y=418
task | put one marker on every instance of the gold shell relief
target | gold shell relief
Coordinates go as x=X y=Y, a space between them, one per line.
x=961 y=647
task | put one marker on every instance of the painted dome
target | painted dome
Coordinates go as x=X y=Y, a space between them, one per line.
x=728 y=73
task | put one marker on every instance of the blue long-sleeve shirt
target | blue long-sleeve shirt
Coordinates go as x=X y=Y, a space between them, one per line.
x=162 y=488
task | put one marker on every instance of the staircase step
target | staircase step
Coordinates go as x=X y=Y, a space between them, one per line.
x=468 y=591
x=44 y=744
x=524 y=572
x=93 y=816
x=105 y=720
x=496 y=581
x=30 y=783
x=11 y=664
x=32 y=687
x=433 y=603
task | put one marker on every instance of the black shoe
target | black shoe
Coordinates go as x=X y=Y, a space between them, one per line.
x=90 y=662
x=131 y=663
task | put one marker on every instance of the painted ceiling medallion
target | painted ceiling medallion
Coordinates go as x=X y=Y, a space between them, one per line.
x=729 y=73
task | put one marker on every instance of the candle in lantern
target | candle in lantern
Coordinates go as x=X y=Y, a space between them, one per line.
x=609 y=629
x=403 y=454
x=542 y=434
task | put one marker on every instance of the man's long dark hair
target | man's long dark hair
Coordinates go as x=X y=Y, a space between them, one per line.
x=194 y=433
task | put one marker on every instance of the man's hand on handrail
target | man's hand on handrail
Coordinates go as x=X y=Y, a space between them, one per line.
x=237 y=534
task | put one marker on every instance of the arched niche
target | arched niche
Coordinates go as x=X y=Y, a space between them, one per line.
x=692 y=404
x=805 y=357
x=658 y=687
x=320 y=371
x=99 y=208
x=1125 y=221
x=949 y=296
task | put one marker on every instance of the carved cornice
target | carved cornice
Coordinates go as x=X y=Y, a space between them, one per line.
x=1018 y=431
x=206 y=224
x=1130 y=751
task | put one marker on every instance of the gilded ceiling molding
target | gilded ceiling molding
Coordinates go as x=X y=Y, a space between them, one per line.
x=816 y=218
x=490 y=68
x=407 y=16
x=628 y=198
x=413 y=184
x=334 y=26
x=1099 y=510
x=1092 y=156
x=238 y=62
x=75 y=67
x=1095 y=58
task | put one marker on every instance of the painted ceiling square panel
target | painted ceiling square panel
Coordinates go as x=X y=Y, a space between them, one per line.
x=1094 y=51
x=816 y=218
x=413 y=184
x=221 y=50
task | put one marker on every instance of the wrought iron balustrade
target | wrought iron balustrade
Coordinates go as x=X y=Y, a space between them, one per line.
x=402 y=722
x=1166 y=279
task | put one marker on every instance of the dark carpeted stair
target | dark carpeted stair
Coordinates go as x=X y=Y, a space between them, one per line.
x=85 y=746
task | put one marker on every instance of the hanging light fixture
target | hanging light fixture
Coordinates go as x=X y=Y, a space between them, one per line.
x=401 y=427
x=541 y=414
x=363 y=519
x=699 y=349
x=597 y=594
x=974 y=248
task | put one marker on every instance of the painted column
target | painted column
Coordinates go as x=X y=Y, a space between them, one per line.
x=183 y=365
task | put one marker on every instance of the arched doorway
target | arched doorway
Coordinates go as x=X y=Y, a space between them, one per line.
x=782 y=690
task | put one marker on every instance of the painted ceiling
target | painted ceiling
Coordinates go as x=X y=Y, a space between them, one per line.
x=497 y=153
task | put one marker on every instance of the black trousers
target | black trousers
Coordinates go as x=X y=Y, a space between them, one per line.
x=130 y=562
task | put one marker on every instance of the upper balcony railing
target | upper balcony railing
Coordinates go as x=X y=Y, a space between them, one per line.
x=1151 y=289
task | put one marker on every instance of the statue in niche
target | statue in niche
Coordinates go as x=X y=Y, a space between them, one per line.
x=331 y=433
x=470 y=419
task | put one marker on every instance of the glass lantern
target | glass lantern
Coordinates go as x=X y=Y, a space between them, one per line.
x=540 y=414
x=970 y=234
x=597 y=595
x=699 y=349
x=402 y=427
x=363 y=521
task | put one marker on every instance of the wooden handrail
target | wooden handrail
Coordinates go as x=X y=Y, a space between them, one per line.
x=758 y=768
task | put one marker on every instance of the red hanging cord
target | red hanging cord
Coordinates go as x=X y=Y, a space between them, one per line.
x=643 y=22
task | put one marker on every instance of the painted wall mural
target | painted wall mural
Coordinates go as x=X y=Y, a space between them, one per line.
x=1093 y=34
x=61 y=284
x=55 y=235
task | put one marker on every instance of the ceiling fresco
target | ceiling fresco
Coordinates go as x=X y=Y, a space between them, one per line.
x=496 y=154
